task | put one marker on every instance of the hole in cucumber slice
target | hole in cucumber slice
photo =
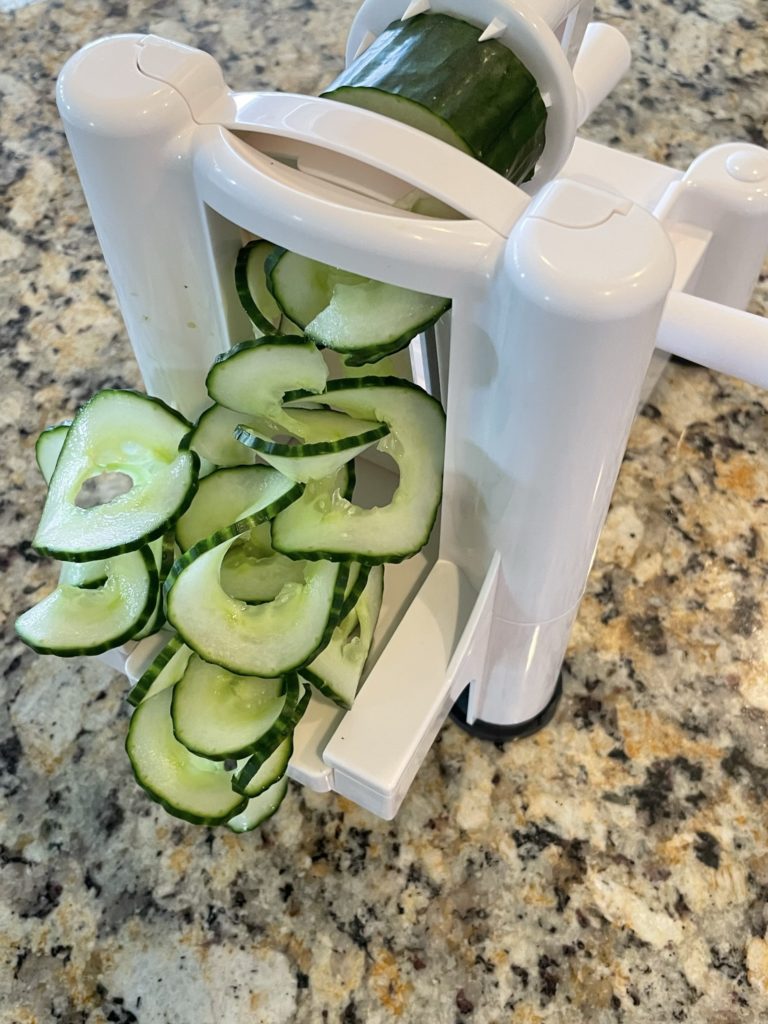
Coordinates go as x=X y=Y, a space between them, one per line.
x=103 y=488
x=377 y=491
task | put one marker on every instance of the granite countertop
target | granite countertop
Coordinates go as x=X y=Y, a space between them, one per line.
x=614 y=868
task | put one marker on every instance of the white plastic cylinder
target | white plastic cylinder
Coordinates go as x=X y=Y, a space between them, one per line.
x=540 y=407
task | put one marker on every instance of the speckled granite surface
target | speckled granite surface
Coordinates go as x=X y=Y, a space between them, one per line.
x=614 y=868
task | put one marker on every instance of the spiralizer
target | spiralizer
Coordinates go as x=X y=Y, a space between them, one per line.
x=561 y=290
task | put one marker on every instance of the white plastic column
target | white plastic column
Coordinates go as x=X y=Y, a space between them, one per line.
x=130 y=137
x=540 y=407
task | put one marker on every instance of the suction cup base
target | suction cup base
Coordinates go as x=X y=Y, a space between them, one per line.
x=505 y=733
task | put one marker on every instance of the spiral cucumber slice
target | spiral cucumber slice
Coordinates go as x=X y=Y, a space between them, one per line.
x=257 y=772
x=252 y=378
x=260 y=807
x=166 y=669
x=268 y=639
x=231 y=501
x=48 y=448
x=362 y=319
x=187 y=786
x=330 y=440
x=252 y=571
x=75 y=620
x=118 y=431
x=323 y=524
x=220 y=715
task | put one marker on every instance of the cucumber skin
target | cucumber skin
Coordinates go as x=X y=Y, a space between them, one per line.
x=270 y=742
x=162 y=528
x=476 y=89
x=149 y=610
x=375 y=353
x=139 y=691
x=354 y=594
x=295 y=451
x=244 y=292
x=235 y=529
x=322 y=687
x=347 y=384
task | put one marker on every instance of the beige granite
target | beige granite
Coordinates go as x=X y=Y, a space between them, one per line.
x=613 y=868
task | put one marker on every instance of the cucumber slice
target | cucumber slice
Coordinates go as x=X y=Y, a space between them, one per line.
x=331 y=439
x=163 y=551
x=250 y=777
x=48 y=448
x=252 y=571
x=73 y=620
x=347 y=326
x=213 y=438
x=253 y=376
x=272 y=769
x=432 y=73
x=166 y=669
x=257 y=640
x=87 y=575
x=118 y=431
x=251 y=285
x=260 y=808
x=322 y=524
x=338 y=669
x=234 y=499
x=358 y=577
x=220 y=715
x=366 y=320
x=187 y=786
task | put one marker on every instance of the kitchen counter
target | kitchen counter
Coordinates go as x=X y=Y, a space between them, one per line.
x=614 y=868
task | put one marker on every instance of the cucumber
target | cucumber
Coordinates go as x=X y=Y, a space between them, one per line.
x=331 y=439
x=250 y=778
x=234 y=499
x=338 y=669
x=48 y=448
x=251 y=286
x=86 y=575
x=73 y=620
x=163 y=550
x=322 y=524
x=118 y=431
x=362 y=319
x=252 y=571
x=187 y=786
x=166 y=669
x=260 y=807
x=432 y=73
x=272 y=768
x=356 y=582
x=220 y=715
x=213 y=438
x=252 y=378
x=257 y=640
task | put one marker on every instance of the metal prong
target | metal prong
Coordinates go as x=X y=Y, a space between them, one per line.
x=365 y=42
x=415 y=7
x=493 y=30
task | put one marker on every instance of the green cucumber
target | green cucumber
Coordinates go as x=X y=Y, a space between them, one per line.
x=274 y=766
x=73 y=620
x=252 y=378
x=338 y=669
x=187 y=786
x=330 y=439
x=356 y=582
x=166 y=669
x=322 y=524
x=362 y=319
x=221 y=715
x=249 y=779
x=432 y=73
x=163 y=550
x=260 y=807
x=251 y=286
x=213 y=438
x=118 y=431
x=48 y=448
x=252 y=571
x=261 y=640
x=232 y=501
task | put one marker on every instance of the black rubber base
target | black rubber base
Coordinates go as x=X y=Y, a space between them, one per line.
x=504 y=733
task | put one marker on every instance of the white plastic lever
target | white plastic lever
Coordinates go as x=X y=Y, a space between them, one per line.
x=603 y=60
x=720 y=337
